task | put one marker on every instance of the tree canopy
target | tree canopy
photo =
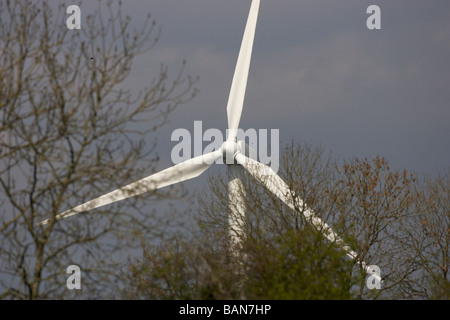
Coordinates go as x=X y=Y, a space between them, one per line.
x=389 y=217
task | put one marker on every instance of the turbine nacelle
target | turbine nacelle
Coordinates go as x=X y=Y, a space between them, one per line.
x=229 y=150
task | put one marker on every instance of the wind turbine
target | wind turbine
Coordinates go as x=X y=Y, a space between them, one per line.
x=237 y=157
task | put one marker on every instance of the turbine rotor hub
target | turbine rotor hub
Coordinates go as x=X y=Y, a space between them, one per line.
x=229 y=150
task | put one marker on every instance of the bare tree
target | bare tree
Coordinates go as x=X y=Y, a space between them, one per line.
x=71 y=128
x=280 y=256
x=426 y=237
x=371 y=201
x=388 y=216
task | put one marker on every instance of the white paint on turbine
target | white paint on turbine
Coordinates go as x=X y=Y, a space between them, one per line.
x=183 y=171
x=265 y=175
x=239 y=84
x=236 y=201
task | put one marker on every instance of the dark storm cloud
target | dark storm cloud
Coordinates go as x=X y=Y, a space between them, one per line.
x=317 y=74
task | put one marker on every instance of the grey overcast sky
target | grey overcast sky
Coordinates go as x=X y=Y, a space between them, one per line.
x=318 y=74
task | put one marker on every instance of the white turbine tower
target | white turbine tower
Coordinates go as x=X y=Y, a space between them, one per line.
x=235 y=156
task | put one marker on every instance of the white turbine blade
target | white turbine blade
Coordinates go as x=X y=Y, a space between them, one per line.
x=279 y=188
x=183 y=171
x=239 y=84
